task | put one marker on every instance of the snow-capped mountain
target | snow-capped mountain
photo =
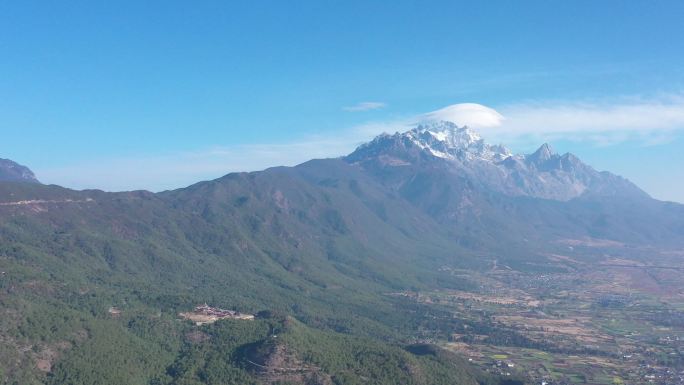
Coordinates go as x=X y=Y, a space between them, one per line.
x=463 y=153
x=447 y=140
x=441 y=139
x=12 y=171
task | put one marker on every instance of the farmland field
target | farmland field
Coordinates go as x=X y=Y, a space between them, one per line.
x=618 y=321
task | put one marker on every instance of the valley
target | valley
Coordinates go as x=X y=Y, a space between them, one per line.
x=616 y=321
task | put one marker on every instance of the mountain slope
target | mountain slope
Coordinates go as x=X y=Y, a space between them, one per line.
x=12 y=171
x=273 y=240
x=490 y=199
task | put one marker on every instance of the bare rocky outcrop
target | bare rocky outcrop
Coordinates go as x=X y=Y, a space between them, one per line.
x=275 y=363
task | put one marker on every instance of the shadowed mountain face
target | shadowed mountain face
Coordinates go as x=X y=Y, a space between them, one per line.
x=325 y=242
x=12 y=171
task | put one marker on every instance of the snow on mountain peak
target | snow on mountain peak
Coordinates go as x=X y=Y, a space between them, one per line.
x=543 y=174
x=447 y=140
x=450 y=133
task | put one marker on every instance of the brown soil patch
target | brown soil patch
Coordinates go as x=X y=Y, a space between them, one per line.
x=196 y=337
x=275 y=363
x=49 y=355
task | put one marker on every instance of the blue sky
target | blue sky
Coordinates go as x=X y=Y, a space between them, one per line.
x=159 y=94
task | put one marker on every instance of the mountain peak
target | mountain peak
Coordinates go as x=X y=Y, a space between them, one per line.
x=542 y=174
x=449 y=133
x=441 y=139
x=11 y=171
x=544 y=153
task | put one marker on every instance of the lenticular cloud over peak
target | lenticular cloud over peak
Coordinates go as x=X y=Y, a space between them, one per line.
x=467 y=114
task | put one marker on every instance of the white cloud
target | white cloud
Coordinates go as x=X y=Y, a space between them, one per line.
x=365 y=106
x=467 y=114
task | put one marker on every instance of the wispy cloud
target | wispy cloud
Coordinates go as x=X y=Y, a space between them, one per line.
x=638 y=115
x=174 y=170
x=365 y=106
